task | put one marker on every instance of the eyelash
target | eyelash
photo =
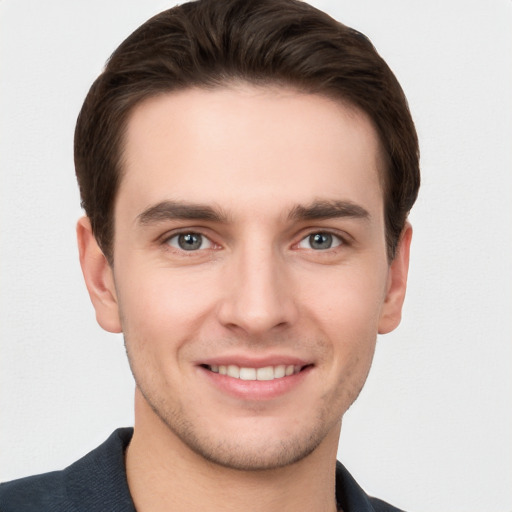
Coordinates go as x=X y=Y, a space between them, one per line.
x=341 y=241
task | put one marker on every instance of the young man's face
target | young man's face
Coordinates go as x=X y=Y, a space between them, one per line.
x=249 y=239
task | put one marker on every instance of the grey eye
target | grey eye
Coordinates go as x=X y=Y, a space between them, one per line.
x=189 y=241
x=320 y=241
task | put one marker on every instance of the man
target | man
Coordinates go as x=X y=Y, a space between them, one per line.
x=246 y=169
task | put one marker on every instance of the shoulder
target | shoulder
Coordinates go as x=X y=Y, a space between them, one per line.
x=94 y=483
x=35 y=494
x=382 y=506
x=351 y=497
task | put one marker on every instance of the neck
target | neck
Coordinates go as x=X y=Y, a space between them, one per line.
x=163 y=473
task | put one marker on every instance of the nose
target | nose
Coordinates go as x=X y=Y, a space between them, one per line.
x=258 y=294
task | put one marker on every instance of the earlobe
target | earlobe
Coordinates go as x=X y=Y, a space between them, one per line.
x=99 y=278
x=397 y=284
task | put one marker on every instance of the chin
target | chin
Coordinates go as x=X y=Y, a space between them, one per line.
x=245 y=454
x=249 y=444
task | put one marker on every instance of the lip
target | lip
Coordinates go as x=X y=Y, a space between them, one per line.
x=254 y=362
x=255 y=390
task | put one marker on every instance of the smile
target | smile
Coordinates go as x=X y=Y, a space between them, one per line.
x=264 y=373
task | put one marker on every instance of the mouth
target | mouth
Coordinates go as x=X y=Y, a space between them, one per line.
x=265 y=373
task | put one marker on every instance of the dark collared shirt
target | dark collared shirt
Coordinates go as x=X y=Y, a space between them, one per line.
x=97 y=483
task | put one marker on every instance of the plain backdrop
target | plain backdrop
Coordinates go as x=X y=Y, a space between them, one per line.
x=432 y=430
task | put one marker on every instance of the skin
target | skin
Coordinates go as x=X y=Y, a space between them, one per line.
x=258 y=171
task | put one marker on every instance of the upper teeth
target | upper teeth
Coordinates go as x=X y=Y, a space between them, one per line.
x=265 y=373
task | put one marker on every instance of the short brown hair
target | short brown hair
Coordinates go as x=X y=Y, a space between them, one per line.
x=209 y=43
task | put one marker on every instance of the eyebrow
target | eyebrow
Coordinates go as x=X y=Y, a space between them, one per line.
x=172 y=210
x=318 y=210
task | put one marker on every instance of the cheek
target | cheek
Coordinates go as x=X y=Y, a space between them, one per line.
x=163 y=306
x=347 y=314
x=350 y=301
x=349 y=320
x=160 y=318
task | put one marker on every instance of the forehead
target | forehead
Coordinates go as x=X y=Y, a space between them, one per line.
x=249 y=143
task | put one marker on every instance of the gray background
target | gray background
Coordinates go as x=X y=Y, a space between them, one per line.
x=432 y=429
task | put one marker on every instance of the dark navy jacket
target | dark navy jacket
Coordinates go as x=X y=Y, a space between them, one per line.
x=97 y=483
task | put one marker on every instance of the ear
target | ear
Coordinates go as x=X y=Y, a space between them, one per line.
x=391 y=313
x=99 y=277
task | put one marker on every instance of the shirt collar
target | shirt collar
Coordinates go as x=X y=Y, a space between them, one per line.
x=97 y=482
